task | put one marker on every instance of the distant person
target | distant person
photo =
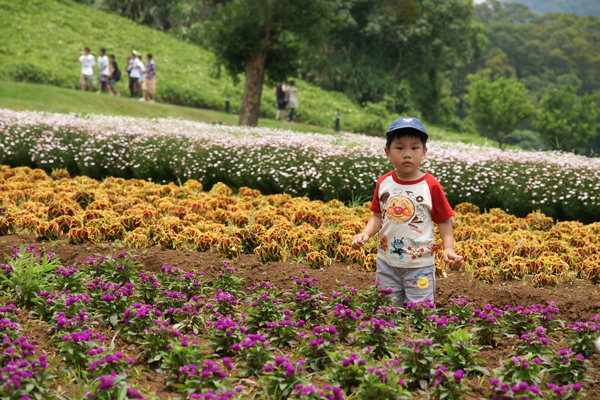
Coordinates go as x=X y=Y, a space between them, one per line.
x=142 y=77
x=134 y=68
x=149 y=85
x=280 y=96
x=114 y=76
x=87 y=69
x=128 y=69
x=292 y=99
x=104 y=69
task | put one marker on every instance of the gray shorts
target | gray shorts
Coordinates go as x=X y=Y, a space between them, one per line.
x=410 y=284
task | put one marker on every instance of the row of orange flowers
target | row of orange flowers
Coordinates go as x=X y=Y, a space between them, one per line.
x=139 y=213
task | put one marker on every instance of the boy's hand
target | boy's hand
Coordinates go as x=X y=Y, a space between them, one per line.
x=359 y=240
x=450 y=255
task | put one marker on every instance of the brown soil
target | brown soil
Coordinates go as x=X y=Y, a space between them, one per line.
x=577 y=301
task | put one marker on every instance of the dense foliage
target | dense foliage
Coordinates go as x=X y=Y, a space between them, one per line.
x=579 y=7
x=402 y=52
x=497 y=105
x=544 y=51
x=567 y=121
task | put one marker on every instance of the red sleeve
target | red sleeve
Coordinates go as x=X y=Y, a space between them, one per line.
x=440 y=208
x=375 y=205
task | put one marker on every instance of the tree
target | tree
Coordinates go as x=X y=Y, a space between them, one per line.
x=380 y=48
x=566 y=121
x=497 y=105
x=154 y=13
x=548 y=47
x=258 y=37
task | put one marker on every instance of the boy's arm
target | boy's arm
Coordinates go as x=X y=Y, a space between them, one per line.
x=372 y=227
x=447 y=235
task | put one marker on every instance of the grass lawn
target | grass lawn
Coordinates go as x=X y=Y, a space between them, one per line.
x=39 y=97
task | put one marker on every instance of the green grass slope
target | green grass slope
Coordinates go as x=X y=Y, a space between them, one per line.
x=41 y=40
x=41 y=97
x=48 y=98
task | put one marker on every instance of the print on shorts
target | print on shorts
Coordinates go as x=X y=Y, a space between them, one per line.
x=421 y=281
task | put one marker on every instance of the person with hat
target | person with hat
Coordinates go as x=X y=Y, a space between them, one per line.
x=406 y=204
x=135 y=68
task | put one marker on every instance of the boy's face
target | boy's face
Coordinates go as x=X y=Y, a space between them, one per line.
x=406 y=154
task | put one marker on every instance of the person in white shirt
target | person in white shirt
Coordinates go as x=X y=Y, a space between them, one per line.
x=135 y=68
x=103 y=67
x=142 y=77
x=87 y=69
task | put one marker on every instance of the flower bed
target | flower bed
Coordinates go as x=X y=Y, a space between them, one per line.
x=110 y=319
x=326 y=167
x=138 y=214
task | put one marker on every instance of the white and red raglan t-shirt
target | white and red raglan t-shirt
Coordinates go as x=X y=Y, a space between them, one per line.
x=409 y=210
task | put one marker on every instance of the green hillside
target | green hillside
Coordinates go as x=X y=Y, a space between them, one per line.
x=42 y=40
x=48 y=98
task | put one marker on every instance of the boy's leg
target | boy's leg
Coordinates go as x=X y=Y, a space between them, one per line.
x=392 y=278
x=419 y=283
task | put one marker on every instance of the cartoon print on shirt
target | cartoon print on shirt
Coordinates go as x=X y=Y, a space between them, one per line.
x=398 y=247
x=383 y=244
x=400 y=209
x=419 y=249
x=419 y=215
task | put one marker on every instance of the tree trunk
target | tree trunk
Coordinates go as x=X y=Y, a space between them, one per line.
x=255 y=69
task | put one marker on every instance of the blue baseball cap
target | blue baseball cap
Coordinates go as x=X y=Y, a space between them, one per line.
x=404 y=122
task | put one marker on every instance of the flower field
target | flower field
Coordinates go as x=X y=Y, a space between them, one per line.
x=326 y=167
x=125 y=289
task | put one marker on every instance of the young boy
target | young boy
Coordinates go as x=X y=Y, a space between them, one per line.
x=405 y=205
